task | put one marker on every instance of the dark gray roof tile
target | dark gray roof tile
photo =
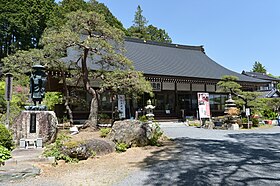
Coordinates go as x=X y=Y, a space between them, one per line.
x=177 y=60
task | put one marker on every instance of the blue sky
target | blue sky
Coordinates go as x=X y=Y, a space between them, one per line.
x=235 y=33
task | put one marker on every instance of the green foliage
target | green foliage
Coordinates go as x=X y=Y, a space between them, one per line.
x=103 y=116
x=194 y=123
x=270 y=114
x=143 y=118
x=248 y=99
x=129 y=82
x=155 y=135
x=158 y=34
x=53 y=98
x=19 y=98
x=104 y=132
x=121 y=147
x=228 y=84
x=244 y=120
x=6 y=138
x=2 y=99
x=55 y=149
x=258 y=67
x=255 y=122
x=102 y=9
x=139 y=20
x=141 y=31
x=265 y=107
x=5 y=154
x=22 y=24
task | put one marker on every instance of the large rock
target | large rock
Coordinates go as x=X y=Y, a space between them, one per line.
x=131 y=132
x=45 y=126
x=85 y=149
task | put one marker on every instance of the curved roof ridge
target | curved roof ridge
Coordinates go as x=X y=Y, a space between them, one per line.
x=172 y=45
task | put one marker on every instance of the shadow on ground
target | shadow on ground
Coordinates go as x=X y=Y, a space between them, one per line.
x=248 y=159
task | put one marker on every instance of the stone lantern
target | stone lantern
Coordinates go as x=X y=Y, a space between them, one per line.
x=149 y=111
x=231 y=112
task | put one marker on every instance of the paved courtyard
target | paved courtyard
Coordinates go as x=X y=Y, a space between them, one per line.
x=213 y=157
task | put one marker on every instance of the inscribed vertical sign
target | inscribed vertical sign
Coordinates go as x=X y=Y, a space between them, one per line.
x=121 y=106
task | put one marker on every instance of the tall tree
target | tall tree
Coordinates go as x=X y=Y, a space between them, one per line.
x=258 y=67
x=139 y=20
x=141 y=31
x=67 y=6
x=22 y=24
x=94 y=43
x=104 y=10
x=159 y=35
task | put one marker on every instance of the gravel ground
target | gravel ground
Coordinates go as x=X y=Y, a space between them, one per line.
x=200 y=157
x=213 y=157
x=99 y=171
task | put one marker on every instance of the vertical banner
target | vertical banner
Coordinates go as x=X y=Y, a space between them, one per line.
x=121 y=106
x=203 y=105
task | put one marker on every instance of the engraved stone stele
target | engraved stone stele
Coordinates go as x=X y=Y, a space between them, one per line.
x=36 y=125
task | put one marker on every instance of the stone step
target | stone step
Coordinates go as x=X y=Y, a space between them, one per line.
x=20 y=156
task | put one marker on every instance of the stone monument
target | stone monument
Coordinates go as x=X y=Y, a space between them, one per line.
x=36 y=126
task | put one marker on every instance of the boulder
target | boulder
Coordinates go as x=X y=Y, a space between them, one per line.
x=131 y=132
x=85 y=149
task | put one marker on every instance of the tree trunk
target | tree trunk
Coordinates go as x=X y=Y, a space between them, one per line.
x=92 y=119
x=67 y=97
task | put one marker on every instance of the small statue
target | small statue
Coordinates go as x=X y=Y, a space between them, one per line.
x=38 y=82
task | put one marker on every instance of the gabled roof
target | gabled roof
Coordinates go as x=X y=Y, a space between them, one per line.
x=274 y=93
x=177 y=60
x=259 y=75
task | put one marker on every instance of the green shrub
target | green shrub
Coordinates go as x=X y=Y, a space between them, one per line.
x=142 y=118
x=244 y=120
x=53 y=98
x=121 y=147
x=103 y=116
x=55 y=149
x=156 y=134
x=104 y=132
x=255 y=122
x=4 y=154
x=6 y=139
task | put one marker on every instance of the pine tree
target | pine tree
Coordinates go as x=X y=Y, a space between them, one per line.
x=258 y=67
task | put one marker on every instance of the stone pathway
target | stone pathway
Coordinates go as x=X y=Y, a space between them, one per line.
x=22 y=164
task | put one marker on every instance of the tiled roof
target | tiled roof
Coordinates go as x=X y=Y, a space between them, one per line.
x=260 y=76
x=154 y=58
x=176 y=60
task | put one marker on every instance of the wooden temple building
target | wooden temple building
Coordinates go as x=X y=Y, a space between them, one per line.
x=177 y=73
